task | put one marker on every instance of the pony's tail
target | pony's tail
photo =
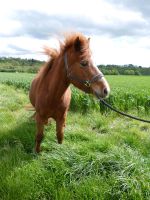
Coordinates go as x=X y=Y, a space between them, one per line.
x=29 y=107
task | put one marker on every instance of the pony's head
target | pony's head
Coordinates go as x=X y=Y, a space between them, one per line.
x=80 y=67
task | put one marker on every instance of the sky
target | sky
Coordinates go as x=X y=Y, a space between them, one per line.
x=119 y=29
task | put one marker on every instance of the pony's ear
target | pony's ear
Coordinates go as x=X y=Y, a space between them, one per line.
x=77 y=44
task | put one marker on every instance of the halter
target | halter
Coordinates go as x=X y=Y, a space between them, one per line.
x=87 y=83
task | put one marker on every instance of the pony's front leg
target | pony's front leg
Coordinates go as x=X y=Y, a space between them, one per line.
x=39 y=134
x=60 y=125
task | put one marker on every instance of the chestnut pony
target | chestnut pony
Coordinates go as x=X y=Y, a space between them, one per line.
x=50 y=93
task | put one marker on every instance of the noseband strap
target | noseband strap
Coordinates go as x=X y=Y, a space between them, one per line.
x=75 y=78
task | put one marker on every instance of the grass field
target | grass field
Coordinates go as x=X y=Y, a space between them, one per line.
x=102 y=157
x=127 y=93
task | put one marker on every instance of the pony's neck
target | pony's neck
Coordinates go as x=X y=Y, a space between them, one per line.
x=58 y=77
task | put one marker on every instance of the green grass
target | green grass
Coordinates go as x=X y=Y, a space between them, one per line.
x=128 y=93
x=102 y=157
x=19 y=80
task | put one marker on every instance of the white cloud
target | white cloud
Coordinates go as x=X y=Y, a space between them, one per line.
x=121 y=51
x=119 y=31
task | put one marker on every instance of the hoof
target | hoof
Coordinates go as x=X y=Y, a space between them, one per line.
x=37 y=150
x=60 y=142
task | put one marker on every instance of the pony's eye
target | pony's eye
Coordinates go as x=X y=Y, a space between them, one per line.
x=84 y=63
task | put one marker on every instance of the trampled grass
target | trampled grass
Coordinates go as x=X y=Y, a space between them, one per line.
x=102 y=157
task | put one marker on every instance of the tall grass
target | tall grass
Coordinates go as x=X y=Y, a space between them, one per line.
x=101 y=157
x=127 y=93
x=18 y=80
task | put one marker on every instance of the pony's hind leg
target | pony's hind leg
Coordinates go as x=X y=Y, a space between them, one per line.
x=40 y=133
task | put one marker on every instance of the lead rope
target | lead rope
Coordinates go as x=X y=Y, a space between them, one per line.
x=122 y=113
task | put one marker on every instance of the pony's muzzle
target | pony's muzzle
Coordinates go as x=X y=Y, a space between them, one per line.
x=101 y=88
x=105 y=91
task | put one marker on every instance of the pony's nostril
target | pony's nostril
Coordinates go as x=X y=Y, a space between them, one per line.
x=105 y=91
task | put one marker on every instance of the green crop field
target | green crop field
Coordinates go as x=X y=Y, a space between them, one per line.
x=104 y=156
x=127 y=92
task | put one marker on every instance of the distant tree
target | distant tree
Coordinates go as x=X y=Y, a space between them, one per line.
x=129 y=72
x=32 y=65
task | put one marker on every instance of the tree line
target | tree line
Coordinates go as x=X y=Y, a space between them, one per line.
x=10 y=64
x=124 y=70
